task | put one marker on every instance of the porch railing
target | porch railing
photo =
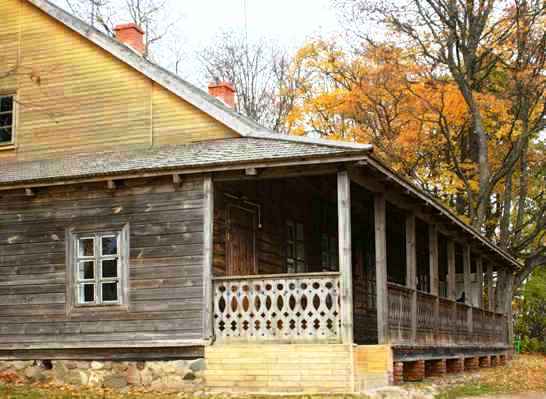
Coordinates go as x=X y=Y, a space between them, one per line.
x=285 y=307
x=441 y=321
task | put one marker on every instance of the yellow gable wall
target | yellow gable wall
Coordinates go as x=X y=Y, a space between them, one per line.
x=75 y=97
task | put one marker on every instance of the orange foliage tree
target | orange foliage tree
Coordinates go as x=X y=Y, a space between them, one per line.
x=465 y=129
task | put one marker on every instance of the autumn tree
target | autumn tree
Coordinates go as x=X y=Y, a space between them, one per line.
x=457 y=104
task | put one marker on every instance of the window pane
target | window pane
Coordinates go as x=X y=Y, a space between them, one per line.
x=87 y=270
x=299 y=232
x=109 y=245
x=110 y=292
x=109 y=268
x=301 y=267
x=290 y=231
x=86 y=247
x=300 y=251
x=5 y=135
x=290 y=251
x=87 y=293
x=6 y=104
x=6 y=120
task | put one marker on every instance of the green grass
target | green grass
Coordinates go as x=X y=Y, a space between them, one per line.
x=471 y=389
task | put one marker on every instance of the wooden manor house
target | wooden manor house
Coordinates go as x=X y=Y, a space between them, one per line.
x=144 y=221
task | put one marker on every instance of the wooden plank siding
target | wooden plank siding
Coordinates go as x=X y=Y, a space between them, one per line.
x=165 y=285
x=74 y=96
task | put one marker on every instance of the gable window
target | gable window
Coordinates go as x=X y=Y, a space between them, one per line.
x=98 y=268
x=7 y=119
x=295 y=247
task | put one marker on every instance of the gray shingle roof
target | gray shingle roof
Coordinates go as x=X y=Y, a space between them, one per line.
x=165 y=158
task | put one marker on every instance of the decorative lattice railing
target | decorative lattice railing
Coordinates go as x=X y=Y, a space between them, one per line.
x=288 y=307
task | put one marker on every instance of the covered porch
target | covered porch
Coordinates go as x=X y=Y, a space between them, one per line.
x=348 y=255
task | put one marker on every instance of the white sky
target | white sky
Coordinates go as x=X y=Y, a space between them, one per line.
x=288 y=21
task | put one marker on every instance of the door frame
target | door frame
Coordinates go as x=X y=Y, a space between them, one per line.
x=229 y=267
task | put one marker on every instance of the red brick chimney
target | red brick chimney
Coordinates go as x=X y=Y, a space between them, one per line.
x=131 y=35
x=224 y=91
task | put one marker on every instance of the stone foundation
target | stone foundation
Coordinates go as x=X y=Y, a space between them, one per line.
x=414 y=371
x=179 y=375
x=398 y=373
x=494 y=361
x=435 y=368
x=455 y=365
x=471 y=364
x=485 y=362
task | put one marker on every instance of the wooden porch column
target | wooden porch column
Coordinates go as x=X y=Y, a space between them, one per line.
x=411 y=271
x=345 y=255
x=468 y=297
x=380 y=219
x=479 y=279
x=434 y=280
x=500 y=290
x=489 y=282
x=508 y=307
x=208 y=220
x=451 y=272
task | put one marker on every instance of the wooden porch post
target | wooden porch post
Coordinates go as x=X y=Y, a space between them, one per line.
x=500 y=291
x=479 y=279
x=451 y=272
x=411 y=271
x=468 y=297
x=508 y=307
x=208 y=220
x=381 y=268
x=345 y=255
x=434 y=280
x=489 y=282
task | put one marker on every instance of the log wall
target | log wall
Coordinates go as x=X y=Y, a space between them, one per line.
x=165 y=284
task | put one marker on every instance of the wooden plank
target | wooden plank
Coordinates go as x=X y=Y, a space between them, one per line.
x=411 y=271
x=208 y=221
x=434 y=278
x=451 y=273
x=490 y=292
x=126 y=354
x=479 y=273
x=345 y=254
x=468 y=297
x=381 y=268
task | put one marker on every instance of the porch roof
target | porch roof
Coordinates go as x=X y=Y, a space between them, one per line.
x=177 y=158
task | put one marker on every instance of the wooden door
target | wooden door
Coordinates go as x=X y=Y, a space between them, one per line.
x=241 y=241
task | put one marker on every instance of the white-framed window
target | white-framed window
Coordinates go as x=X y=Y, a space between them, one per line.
x=98 y=268
x=7 y=119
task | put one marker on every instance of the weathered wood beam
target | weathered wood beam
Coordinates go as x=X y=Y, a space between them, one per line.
x=381 y=268
x=434 y=279
x=251 y=172
x=345 y=255
x=411 y=272
x=489 y=283
x=468 y=297
x=177 y=180
x=208 y=247
x=479 y=274
x=451 y=273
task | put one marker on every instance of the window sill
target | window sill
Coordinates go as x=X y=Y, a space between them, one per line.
x=7 y=147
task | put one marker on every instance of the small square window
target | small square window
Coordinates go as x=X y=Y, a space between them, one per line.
x=7 y=119
x=97 y=265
